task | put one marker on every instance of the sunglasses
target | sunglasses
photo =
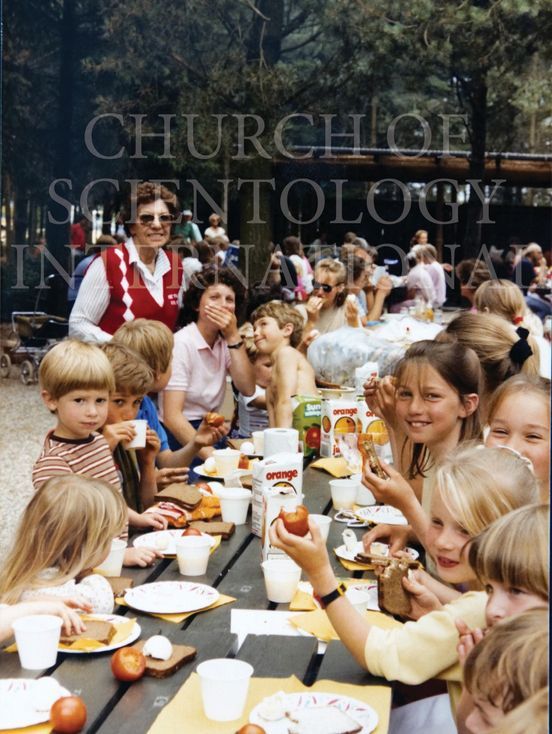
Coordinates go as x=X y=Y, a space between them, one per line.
x=326 y=287
x=148 y=219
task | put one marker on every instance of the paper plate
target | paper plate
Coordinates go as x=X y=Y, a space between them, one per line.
x=342 y=552
x=20 y=697
x=115 y=619
x=362 y=713
x=163 y=540
x=171 y=597
x=381 y=515
x=219 y=477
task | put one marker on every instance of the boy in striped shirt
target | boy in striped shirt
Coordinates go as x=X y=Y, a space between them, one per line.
x=75 y=380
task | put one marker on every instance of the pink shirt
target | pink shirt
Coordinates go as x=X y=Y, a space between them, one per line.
x=199 y=371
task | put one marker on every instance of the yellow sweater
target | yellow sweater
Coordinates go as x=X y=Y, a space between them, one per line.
x=425 y=649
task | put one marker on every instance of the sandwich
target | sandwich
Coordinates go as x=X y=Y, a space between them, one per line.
x=96 y=629
x=392 y=596
x=163 y=668
x=183 y=495
x=225 y=529
x=322 y=720
x=214 y=420
x=369 y=456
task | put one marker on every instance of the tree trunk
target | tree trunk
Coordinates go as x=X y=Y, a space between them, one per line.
x=477 y=93
x=57 y=227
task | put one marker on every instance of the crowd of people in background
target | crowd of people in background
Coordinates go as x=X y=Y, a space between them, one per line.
x=160 y=318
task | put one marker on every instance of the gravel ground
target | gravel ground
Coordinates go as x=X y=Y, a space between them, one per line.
x=24 y=421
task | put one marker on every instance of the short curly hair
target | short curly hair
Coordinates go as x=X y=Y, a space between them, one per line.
x=147 y=192
x=283 y=313
x=199 y=284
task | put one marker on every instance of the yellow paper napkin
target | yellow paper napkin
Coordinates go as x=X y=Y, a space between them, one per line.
x=336 y=466
x=177 y=618
x=36 y=729
x=318 y=624
x=185 y=712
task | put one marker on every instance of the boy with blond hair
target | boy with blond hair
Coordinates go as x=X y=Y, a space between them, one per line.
x=154 y=342
x=278 y=329
x=76 y=380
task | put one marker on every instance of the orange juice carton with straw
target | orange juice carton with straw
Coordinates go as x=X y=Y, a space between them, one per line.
x=306 y=420
x=337 y=417
x=280 y=472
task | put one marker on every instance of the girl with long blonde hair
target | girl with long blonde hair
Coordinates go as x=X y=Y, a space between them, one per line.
x=66 y=529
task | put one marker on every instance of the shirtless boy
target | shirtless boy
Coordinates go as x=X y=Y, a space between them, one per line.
x=278 y=330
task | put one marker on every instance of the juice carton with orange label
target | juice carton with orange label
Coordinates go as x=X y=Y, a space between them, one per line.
x=306 y=420
x=338 y=417
x=275 y=498
x=281 y=472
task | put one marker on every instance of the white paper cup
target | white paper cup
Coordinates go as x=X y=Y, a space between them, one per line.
x=344 y=492
x=224 y=687
x=192 y=553
x=258 y=442
x=323 y=522
x=226 y=460
x=37 y=637
x=364 y=496
x=234 y=503
x=139 y=440
x=113 y=564
x=281 y=579
x=358 y=598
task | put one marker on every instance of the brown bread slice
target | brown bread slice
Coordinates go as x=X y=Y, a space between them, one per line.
x=183 y=495
x=120 y=584
x=96 y=629
x=163 y=668
x=392 y=596
x=225 y=529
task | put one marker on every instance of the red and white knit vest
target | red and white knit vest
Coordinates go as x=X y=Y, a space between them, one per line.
x=129 y=297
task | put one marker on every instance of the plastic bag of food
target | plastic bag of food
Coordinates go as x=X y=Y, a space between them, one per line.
x=336 y=355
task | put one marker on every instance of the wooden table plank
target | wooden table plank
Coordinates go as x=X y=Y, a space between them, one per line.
x=338 y=664
x=278 y=657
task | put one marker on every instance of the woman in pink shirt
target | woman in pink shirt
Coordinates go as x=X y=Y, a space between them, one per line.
x=207 y=349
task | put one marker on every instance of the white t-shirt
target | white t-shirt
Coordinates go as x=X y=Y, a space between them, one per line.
x=251 y=418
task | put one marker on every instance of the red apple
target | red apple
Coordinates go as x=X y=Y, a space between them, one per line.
x=296 y=521
x=191 y=531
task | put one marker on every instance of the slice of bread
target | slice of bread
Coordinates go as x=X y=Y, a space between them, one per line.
x=183 y=495
x=321 y=720
x=392 y=596
x=120 y=584
x=163 y=668
x=225 y=529
x=96 y=629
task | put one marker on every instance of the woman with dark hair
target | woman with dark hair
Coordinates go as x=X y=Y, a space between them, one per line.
x=207 y=349
x=137 y=279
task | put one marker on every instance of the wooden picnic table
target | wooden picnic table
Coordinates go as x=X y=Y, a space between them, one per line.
x=234 y=569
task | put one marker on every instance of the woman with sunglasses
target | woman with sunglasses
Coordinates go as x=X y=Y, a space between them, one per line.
x=137 y=279
x=327 y=308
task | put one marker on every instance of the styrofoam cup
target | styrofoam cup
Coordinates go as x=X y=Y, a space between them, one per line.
x=358 y=598
x=224 y=687
x=192 y=554
x=37 y=637
x=323 y=522
x=139 y=440
x=344 y=492
x=281 y=579
x=226 y=460
x=364 y=496
x=234 y=504
x=113 y=564
x=258 y=442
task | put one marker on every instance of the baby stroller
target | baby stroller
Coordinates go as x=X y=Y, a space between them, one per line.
x=31 y=336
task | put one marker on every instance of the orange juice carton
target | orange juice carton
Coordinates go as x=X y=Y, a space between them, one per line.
x=306 y=420
x=282 y=472
x=337 y=417
x=369 y=423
